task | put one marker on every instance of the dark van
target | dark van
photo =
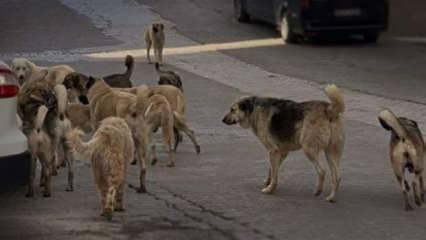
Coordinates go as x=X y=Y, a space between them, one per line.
x=310 y=18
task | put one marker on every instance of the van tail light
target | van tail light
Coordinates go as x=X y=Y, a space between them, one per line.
x=305 y=4
x=7 y=91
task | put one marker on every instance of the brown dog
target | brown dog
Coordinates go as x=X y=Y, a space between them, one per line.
x=110 y=150
x=155 y=38
x=283 y=126
x=407 y=152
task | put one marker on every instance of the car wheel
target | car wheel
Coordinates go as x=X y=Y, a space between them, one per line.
x=371 y=37
x=240 y=13
x=286 y=29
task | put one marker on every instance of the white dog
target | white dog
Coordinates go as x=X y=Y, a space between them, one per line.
x=26 y=70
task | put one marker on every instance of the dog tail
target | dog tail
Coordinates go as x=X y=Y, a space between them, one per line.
x=158 y=69
x=129 y=61
x=337 y=100
x=62 y=98
x=390 y=122
x=40 y=117
x=75 y=142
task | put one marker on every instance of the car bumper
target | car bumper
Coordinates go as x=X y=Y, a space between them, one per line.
x=14 y=170
x=344 y=29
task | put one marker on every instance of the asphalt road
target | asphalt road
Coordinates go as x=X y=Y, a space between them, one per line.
x=216 y=195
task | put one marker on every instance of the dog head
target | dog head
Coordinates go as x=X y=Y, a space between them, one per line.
x=157 y=27
x=22 y=68
x=79 y=83
x=240 y=112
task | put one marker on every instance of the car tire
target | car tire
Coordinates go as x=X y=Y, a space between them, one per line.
x=239 y=11
x=371 y=37
x=287 y=33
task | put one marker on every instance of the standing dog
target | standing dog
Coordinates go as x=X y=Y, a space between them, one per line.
x=168 y=77
x=26 y=70
x=407 y=151
x=110 y=150
x=122 y=80
x=283 y=126
x=40 y=146
x=154 y=37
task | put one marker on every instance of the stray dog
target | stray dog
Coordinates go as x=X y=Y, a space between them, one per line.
x=31 y=96
x=407 y=151
x=63 y=126
x=159 y=114
x=154 y=37
x=110 y=150
x=79 y=115
x=104 y=102
x=176 y=100
x=283 y=126
x=168 y=77
x=122 y=80
x=40 y=146
x=26 y=70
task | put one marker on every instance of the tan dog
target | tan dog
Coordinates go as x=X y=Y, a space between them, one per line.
x=63 y=126
x=110 y=150
x=283 y=126
x=407 y=152
x=79 y=115
x=154 y=37
x=176 y=100
x=26 y=70
x=104 y=102
x=40 y=146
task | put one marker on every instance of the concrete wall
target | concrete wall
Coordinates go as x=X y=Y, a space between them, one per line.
x=407 y=18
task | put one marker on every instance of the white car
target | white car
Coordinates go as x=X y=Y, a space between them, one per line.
x=14 y=156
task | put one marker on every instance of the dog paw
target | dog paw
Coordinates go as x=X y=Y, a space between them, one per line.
x=107 y=213
x=317 y=192
x=331 y=199
x=266 y=182
x=69 y=189
x=154 y=161
x=119 y=209
x=268 y=190
x=141 y=190
x=198 y=149
x=46 y=195
x=418 y=201
x=408 y=207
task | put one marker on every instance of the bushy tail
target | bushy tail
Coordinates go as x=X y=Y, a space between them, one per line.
x=62 y=99
x=76 y=144
x=337 y=101
x=41 y=116
x=390 y=122
x=129 y=61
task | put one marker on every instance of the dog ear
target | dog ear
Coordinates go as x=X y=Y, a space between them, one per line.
x=161 y=26
x=90 y=83
x=246 y=105
x=154 y=28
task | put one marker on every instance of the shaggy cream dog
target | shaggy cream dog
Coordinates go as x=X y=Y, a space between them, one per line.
x=111 y=149
x=26 y=70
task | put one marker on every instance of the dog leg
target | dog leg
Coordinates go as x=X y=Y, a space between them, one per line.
x=141 y=152
x=154 y=158
x=400 y=178
x=313 y=157
x=180 y=124
x=148 y=49
x=160 y=55
x=70 y=163
x=30 y=192
x=274 y=161
x=417 y=191
x=177 y=137
x=42 y=177
x=119 y=199
x=422 y=188
x=333 y=158
x=167 y=140
x=46 y=168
